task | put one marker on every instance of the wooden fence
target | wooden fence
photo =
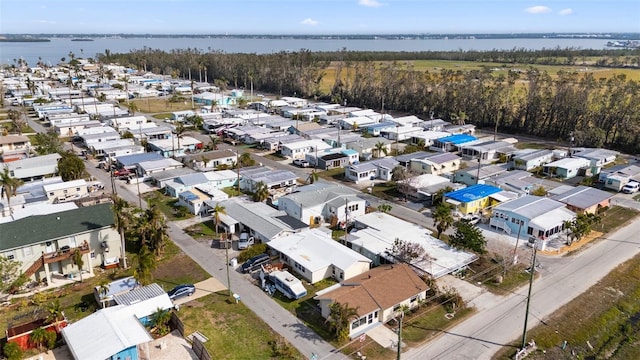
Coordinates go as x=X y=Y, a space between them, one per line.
x=196 y=344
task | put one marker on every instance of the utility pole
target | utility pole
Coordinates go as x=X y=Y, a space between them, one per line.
x=479 y=164
x=238 y=170
x=346 y=219
x=526 y=315
x=226 y=252
x=515 y=249
x=400 y=335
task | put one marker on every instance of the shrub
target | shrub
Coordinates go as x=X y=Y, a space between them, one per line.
x=251 y=252
x=12 y=351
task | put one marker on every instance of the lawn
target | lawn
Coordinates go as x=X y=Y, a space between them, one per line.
x=161 y=105
x=486 y=270
x=175 y=268
x=167 y=205
x=385 y=191
x=234 y=331
x=615 y=217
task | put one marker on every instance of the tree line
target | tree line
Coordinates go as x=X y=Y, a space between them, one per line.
x=592 y=111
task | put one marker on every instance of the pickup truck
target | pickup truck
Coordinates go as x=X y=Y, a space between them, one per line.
x=122 y=172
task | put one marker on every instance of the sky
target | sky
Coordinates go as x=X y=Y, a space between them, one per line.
x=317 y=16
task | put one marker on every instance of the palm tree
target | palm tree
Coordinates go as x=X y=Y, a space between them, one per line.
x=121 y=209
x=103 y=290
x=9 y=186
x=179 y=130
x=262 y=192
x=54 y=313
x=213 y=143
x=381 y=148
x=160 y=319
x=77 y=259
x=133 y=108
x=443 y=218
x=38 y=337
x=153 y=229
x=214 y=105
x=339 y=319
x=204 y=160
x=217 y=211
x=145 y=264
x=246 y=160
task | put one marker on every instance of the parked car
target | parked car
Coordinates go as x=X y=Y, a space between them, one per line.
x=301 y=163
x=181 y=291
x=255 y=262
x=122 y=172
x=471 y=219
x=245 y=241
x=631 y=187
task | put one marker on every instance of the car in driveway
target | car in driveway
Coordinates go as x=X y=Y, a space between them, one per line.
x=245 y=241
x=181 y=291
x=631 y=187
x=255 y=262
x=471 y=219
x=301 y=163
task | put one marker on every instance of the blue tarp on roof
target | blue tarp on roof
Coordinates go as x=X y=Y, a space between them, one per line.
x=457 y=139
x=472 y=193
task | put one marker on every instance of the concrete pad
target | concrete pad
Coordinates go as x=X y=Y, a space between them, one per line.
x=465 y=289
x=203 y=288
x=169 y=347
x=384 y=336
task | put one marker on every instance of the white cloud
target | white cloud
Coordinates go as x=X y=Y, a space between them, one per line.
x=310 y=22
x=538 y=9
x=369 y=3
x=565 y=12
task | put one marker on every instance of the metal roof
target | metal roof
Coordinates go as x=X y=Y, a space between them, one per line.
x=530 y=206
x=583 y=197
x=104 y=333
x=472 y=193
x=139 y=294
x=133 y=159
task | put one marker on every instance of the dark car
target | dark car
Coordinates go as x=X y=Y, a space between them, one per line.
x=255 y=262
x=181 y=290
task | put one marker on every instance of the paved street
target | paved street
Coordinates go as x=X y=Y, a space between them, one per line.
x=502 y=321
x=281 y=321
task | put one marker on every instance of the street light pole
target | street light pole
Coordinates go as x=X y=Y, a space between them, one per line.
x=400 y=336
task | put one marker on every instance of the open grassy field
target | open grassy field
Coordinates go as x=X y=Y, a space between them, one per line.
x=160 y=105
x=435 y=66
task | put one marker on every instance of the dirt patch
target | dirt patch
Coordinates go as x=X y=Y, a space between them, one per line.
x=180 y=266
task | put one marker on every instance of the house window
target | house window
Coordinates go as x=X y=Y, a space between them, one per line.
x=93 y=254
x=26 y=251
x=530 y=230
x=396 y=308
x=9 y=255
x=77 y=189
x=414 y=299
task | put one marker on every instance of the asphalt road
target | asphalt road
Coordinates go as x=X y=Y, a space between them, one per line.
x=502 y=322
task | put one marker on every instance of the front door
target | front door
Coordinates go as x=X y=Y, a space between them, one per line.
x=50 y=247
x=54 y=267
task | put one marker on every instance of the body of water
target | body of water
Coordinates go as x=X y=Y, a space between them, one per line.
x=51 y=52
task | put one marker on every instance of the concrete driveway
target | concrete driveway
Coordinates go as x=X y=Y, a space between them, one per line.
x=203 y=288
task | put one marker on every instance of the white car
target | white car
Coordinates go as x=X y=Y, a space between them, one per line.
x=301 y=163
x=245 y=241
x=631 y=187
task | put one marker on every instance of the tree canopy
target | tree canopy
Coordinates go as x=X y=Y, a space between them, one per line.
x=70 y=166
x=468 y=236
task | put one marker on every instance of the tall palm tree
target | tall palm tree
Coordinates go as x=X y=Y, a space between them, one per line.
x=217 y=211
x=77 y=259
x=339 y=319
x=246 y=160
x=214 y=105
x=213 y=143
x=442 y=218
x=262 y=192
x=381 y=148
x=179 y=131
x=145 y=264
x=153 y=229
x=122 y=219
x=133 y=107
x=9 y=187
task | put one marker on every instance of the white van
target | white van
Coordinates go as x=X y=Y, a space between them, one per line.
x=631 y=187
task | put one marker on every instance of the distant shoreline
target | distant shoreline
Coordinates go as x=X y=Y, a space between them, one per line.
x=23 y=40
x=425 y=36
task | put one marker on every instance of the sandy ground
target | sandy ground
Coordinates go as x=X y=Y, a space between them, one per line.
x=203 y=288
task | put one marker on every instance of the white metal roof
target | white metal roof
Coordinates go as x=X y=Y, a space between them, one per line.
x=104 y=333
x=315 y=250
x=65 y=185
